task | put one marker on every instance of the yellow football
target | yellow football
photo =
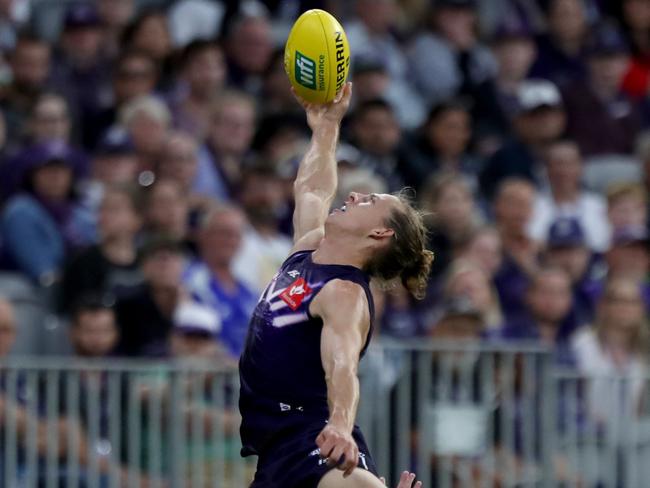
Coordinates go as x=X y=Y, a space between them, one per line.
x=317 y=56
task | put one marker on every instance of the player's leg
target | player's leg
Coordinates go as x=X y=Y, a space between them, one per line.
x=360 y=478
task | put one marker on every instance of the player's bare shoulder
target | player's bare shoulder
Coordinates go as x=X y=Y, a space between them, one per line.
x=342 y=300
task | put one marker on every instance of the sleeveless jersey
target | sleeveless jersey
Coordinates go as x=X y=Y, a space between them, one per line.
x=282 y=381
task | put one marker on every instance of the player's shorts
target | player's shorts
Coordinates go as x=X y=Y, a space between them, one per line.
x=293 y=461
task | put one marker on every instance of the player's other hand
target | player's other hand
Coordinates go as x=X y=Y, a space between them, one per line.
x=339 y=448
x=406 y=481
x=319 y=114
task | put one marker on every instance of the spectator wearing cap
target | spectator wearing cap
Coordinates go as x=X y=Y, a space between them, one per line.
x=561 y=50
x=30 y=62
x=264 y=247
x=564 y=197
x=49 y=122
x=110 y=266
x=195 y=334
x=114 y=163
x=566 y=249
x=539 y=120
x=600 y=117
x=80 y=70
x=443 y=143
x=546 y=315
x=203 y=74
x=145 y=317
x=210 y=280
x=513 y=209
x=514 y=48
x=448 y=60
x=40 y=225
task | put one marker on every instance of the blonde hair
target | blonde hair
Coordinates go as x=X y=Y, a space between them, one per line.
x=617 y=191
x=149 y=105
x=639 y=341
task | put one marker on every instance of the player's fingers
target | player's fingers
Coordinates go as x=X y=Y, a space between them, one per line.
x=320 y=439
x=335 y=456
x=327 y=447
x=418 y=484
x=351 y=460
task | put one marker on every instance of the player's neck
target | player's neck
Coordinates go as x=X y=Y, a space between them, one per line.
x=333 y=251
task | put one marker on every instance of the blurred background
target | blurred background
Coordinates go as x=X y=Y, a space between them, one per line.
x=147 y=154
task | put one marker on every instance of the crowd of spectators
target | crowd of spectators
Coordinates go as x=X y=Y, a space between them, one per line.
x=147 y=157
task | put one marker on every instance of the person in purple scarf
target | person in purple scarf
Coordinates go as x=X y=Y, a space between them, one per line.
x=42 y=223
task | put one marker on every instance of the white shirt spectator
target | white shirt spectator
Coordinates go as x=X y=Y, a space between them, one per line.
x=589 y=209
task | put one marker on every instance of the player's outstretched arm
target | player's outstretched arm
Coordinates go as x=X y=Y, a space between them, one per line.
x=316 y=182
x=342 y=305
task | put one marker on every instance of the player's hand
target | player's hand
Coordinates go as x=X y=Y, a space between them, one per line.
x=406 y=481
x=327 y=113
x=339 y=448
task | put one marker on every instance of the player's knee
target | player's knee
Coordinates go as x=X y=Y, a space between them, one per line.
x=360 y=478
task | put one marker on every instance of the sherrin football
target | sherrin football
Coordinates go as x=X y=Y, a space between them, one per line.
x=317 y=56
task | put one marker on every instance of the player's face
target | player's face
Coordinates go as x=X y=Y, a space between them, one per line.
x=361 y=213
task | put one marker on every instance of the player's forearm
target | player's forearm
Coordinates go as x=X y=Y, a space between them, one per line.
x=317 y=171
x=343 y=397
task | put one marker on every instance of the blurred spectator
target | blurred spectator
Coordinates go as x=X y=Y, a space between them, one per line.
x=114 y=163
x=149 y=33
x=178 y=162
x=147 y=120
x=373 y=35
x=629 y=258
x=560 y=51
x=613 y=354
x=280 y=137
x=513 y=209
x=453 y=216
x=13 y=15
x=264 y=248
x=49 y=123
x=145 y=316
x=635 y=16
x=80 y=69
x=459 y=321
x=41 y=224
x=193 y=20
x=483 y=248
x=566 y=198
x=135 y=75
x=202 y=76
x=375 y=132
x=195 y=335
x=443 y=145
x=93 y=330
x=115 y=15
x=449 y=60
x=230 y=135
x=110 y=265
x=548 y=306
x=166 y=210
x=497 y=102
x=539 y=120
x=30 y=68
x=466 y=280
x=566 y=249
x=277 y=97
x=211 y=281
x=249 y=47
x=600 y=117
x=7 y=327
x=627 y=206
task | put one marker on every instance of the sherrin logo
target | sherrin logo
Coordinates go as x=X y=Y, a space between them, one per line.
x=305 y=70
